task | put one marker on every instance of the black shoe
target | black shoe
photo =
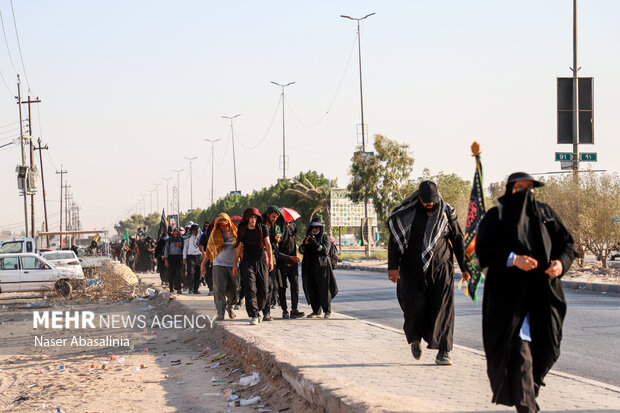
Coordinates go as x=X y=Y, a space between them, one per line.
x=297 y=314
x=416 y=349
x=179 y=292
x=443 y=359
x=196 y=292
x=285 y=315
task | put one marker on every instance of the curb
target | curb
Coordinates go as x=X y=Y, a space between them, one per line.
x=600 y=288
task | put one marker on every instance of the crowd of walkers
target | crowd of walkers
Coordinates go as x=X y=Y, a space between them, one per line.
x=251 y=259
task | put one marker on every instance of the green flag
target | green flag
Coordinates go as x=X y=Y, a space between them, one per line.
x=126 y=237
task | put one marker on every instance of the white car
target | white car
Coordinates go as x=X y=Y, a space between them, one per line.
x=30 y=272
x=66 y=259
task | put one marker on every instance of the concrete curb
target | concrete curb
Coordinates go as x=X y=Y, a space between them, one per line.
x=600 y=288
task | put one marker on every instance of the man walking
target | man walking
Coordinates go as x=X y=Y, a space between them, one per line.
x=526 y=249
x=425 y=237
x=192 y=258
x=221 y=252
x=287 y=263
x=275 y=235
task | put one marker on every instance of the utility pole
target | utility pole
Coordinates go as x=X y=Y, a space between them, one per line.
x=157 y=197
x=168 y=207
x=283 y=133
x=30 y=174
x=178 y=171
x=232 y=136
x=61 y=173
x=67 y=224
x=22 y=140
x=575 y=70
x=359 y=49
x=40 y=149
x=191 y=183
x=212 y=142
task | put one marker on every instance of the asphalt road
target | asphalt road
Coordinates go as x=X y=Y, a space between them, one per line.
x=591 y=328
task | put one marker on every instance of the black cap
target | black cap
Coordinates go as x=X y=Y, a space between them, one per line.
x=522 y=176
x=428 y=192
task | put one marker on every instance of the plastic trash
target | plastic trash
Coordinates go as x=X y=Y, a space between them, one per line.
x=214 y=380
x=121 y=360
x=146 y=350
x=179 y=382
x=227 y=393
x=249 y=402
x=206 y=350
x=250 y=381
x=215 y=365
x=113 y=357
x=151 y=292
x=94 y=281
x=61 y=367
x=232 y=397
x=260 y=410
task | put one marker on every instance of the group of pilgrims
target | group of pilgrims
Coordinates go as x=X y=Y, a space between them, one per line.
x=251 y=259
x=521 y=243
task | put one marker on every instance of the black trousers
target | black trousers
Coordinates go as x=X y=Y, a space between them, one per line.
x=288 y=273
x=161 y=268
x=254 y=275
x=175 y=266
x=521 y=377
x=193 y=272
x=318 y=292
x=209 y=275
x=272 y=292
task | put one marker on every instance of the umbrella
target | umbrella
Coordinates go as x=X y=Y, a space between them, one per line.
x=290 y=214
x=236 y=219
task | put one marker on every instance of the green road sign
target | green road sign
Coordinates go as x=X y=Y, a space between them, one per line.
x=563 y=156
x=587 y=157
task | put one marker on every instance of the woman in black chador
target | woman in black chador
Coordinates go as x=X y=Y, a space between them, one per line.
x=317 y=273
x=526 y=249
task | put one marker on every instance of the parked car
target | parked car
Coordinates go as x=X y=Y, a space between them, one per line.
x=66 y=259
x=31 y=272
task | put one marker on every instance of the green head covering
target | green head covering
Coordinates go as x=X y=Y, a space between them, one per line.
x=277 y=228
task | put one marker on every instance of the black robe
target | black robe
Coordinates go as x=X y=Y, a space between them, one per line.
x=317 y=274
x=427 y=297
x=510 y=293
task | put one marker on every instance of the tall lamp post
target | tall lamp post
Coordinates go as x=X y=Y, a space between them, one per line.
x=232 y=136
x=191 y=183
x=283 y=133
x=212 y=142
x=157 y=197
x=178 y=171
x=168 y=207
x=359 y=49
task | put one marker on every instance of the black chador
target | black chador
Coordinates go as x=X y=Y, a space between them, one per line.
x=523 y=310
x=424 y=240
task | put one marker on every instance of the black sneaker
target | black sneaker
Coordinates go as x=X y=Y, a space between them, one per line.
x=443 y=359
x=416 y=349
x=285 y=315
x=297 y=314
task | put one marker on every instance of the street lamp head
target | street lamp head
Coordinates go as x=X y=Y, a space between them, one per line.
x=347 y=17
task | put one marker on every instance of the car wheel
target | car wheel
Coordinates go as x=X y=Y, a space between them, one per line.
x=63 y=288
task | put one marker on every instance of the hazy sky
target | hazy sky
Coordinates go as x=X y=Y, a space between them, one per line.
x=131 y=88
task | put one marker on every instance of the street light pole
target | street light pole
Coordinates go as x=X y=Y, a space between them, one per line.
x=575 y=94
x=151 y=196
x=232 y=136
x=167 y=195
x=359 y=53
x=178 y=171
x=212 y=142
x=157 y=197
x=191 y=183
x=283 y=133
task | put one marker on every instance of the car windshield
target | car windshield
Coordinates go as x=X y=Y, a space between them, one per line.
x=11 y=247
x=57 y=255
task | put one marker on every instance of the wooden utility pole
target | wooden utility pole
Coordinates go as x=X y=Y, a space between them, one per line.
x=61 y=173
x=29 y=101
x=22 y=139
x=40 y=149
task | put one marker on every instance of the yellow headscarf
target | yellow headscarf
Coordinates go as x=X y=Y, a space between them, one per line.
x=216 y=241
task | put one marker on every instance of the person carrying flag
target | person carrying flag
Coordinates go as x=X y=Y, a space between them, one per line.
x=526 y=249
x=425 y=237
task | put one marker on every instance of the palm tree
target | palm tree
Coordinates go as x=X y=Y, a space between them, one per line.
x=318 y=197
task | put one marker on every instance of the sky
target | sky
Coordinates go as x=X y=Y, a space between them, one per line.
x=129 y=89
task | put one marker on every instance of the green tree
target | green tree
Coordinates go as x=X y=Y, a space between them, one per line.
x=311 y=194
x=382 y=177
x=131 y=224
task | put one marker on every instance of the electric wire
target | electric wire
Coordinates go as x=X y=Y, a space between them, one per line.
x=19 y=47
x=8 y=89
x=275 y=112
x=6 y=41
x=333 y=101
x=225 y=153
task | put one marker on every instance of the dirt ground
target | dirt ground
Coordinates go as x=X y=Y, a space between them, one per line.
x=163 y=370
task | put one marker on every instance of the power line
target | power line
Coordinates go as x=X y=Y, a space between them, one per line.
x=6 y=85
x=333 y=101
x=19 y=47
x=268 y=128
x=6 y=41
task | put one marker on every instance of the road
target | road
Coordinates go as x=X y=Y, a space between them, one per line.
x=591 y=328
